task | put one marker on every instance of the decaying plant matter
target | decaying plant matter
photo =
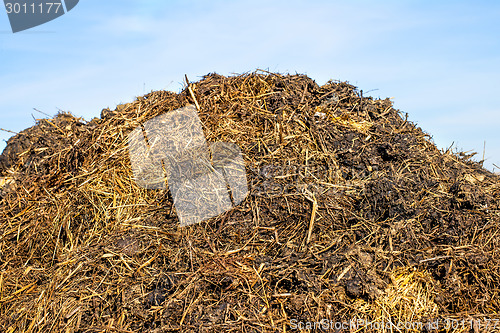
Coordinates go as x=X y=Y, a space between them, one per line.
x=352 y=213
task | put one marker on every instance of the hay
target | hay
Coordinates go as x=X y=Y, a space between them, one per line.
x=352 y=213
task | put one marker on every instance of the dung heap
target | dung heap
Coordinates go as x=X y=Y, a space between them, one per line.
x=352 y=214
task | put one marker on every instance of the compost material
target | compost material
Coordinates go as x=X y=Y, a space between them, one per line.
x=352 y=214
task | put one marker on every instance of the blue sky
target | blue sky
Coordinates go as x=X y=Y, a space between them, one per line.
x=440 y=61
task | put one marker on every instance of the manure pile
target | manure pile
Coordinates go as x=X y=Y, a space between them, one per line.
x=352 y=213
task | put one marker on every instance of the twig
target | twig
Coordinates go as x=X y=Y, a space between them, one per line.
x=313 y=216
x=1 y=129
x=484 y=150
x=189 y=307
x=48 y=115
x=435 y=258
x=192 y=93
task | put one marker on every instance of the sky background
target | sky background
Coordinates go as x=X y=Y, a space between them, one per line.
x=440 y=61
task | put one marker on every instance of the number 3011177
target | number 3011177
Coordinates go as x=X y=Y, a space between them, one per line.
x=41 y=8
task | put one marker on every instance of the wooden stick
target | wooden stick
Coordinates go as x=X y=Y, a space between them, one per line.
x=313 y=216
x=1 y=129
x=192 y=93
